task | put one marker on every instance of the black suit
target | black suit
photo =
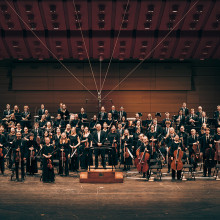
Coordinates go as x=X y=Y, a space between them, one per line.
x=7 y=113
x=81 y=116
x=203 y=120
x=185 y=112
x=103 y=116
x=41 y=112
x=114 y=114
x=121 y=114
x=216 y=114
x=95 y=144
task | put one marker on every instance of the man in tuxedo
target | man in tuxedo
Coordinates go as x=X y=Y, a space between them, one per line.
x=41 y=111
x=99 y=138
x=157 y=128
x=114 y=113
x=192 y=118
x=122 y=113
x=203 y=119
x=184 y=109
x=217 y=113
x=7 y=112
x=199 y=113
x=103 y=114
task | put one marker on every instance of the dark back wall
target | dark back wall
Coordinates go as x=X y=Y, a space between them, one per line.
x=154 y=87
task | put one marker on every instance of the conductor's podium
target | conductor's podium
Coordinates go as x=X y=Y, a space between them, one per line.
x=101 y=176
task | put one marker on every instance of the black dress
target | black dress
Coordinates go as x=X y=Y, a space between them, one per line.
x=31 y=165
x=74 y=160
x=112 y=155
x=63 y=157
x=48 y=172
x=129 y=141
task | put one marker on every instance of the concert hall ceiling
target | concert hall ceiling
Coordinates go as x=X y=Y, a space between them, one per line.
x=193 y=27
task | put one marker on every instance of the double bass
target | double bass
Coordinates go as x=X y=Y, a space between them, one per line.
x=32 y=154
x=143 y=165
x=177 y=163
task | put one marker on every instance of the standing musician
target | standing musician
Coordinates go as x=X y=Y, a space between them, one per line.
x=183 y=136
x=48 y=169
x=93 y=123
x=109 y=121
x=152 y=137
x=167 y=118
x=203 y=119
x=180 y=120
x=122 y=113
x=114 y=139
x=199 y=113
x=41 y=111
x=19 y=154
x=82 y=115
x=217 y=143
x=176 y=153
x=32 y=149
x=136 y=136
x=99 y=138
x=64 y=154
x=86 y=153
x=114 y=113
x=208 y=152
x=126 y=149
x=74 y=148
x=64 y=113
x=2 y=151
x=10 y=138
x=103 y=114
x=59 y=123
x=184 y=109
x=26 y=117
x=192 y=118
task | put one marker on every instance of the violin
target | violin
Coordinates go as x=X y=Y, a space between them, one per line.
x=114 y=145
x=1 y=153
x=49 y=164
x=32 y=154
x=177 y=163
x=126 y=154
x=18 y=155
x=143 y=165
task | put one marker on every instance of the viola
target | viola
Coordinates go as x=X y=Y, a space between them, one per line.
x=49 y=164
x=177 y=163
x=18 y=154
x=1 y=153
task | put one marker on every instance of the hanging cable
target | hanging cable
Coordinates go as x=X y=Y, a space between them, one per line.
x=87 y=54
x=49 y=49
x=100 y=73
x=115 y=44
x=135 y=68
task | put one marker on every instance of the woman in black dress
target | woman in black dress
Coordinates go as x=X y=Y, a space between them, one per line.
x=48 y=170
x=74 y=145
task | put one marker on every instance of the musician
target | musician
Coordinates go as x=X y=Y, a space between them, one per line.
x=48 y=169
x=183 y=136
x=26 y=117
x=180 y=119
x=217 y=140
x=93 y=123
x=41 y=111
x=217 y=122
x=167 y=118
x=60 y=108
x=86 y=153
x=18 y=128
x=124 y=123
x=109 y=121
x=103 y=114
x=99 y=138
x=126 y=146
x=32 y=150
x=49 y=128
x=157 y=128
x=7 y=112
x=135 y=140
x=217 y=113
x=105 y=128
x=114 y=113
x=122 y=113
x=64 y=113
x=203 y=119
x=68 y=130
x=56 y=141
x=120 y=130
x=114 y=139
x=42 y=122
x=19 y=152
x=149 y=121
x=64 y=154
x=137 y=118
x=47 y=115
x=138 y=126
x=192 y=118
x=59 y=122
x=82 y=115
x=11 y=121
x=2 y=150
x=206 y=151
x=17 y=113
x=199 y=113
x=176 y=145
x=184 y=109
x=10 y=138
x=74 y=147
x=37 y=131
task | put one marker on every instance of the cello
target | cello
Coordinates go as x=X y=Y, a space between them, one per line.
x=177 y=163
x=143 y=165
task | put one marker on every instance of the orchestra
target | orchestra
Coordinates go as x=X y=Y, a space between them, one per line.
x=109 y=139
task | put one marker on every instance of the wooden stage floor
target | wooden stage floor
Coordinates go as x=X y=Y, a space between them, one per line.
x=133 y=199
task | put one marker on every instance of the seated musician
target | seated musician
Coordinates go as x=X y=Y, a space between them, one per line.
x=183 y=136
x=59 y=123
x=64 y=154
x=149 y=121
x=60 y=108
x=120 y=130
x=137 y=118
x=49 y=128
x=114 y=113
x=167 y=118
x=114 y=139
x=81 y=130
x=199 y=113
x=109 y=120
x=99 y=138
x=17 y=114
x=2 y=150
x=68 y=130
x=37 y=131
x=41 y=111
x=75 y=122
x=42 y=122
x=47 y=115
x=85 y=151
x=217 y=148
x=26 y=117
x=18 y=128
x=102 y=114
x=74 y=150
x=48 y=169
x=138 y=127
x=126 y=149
x=105 y=128
x=192 y=118
x=157 y=128
x=19 y=155
x=176 y=145
x=124 y=123
x=206 y=150
x=82 y=115
x=122 y=113
x=184 y=109
x=32 y=150
x=203 y=119
x=25 y=135
x=217 y=122
x=192 y=139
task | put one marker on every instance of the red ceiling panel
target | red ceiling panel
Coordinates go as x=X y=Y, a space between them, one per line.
x=101 y=15
x=164 y=47
x=78 y=47
x=58 y=44
x=3 y=52
x=206 y=47
x=185 y=47
x=129 y=20
x=29 y=12
x=213 y=22
x=54 y=14
x=8 y=18
x=172 y=14
x=17 y=45
x=37 y=49
x=149 y=14
x=79 y=19
x=143 y=46
x=196 y=18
